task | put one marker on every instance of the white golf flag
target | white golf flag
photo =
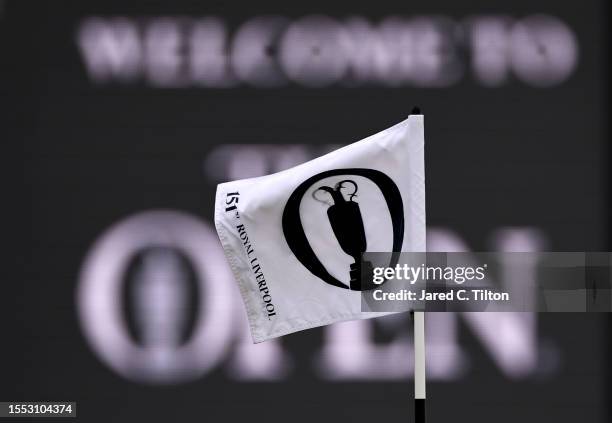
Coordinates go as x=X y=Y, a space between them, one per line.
x=294 y=239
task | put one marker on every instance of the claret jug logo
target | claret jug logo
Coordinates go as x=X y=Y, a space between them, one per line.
x=346 y=220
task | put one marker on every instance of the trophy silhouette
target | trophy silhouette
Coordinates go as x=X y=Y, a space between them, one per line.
x=347 y=224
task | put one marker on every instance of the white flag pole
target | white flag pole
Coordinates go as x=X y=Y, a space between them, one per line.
x=418 y=318
x=419 y=366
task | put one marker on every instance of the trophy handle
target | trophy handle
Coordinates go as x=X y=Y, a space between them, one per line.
x=340 y=184
x=335 y=193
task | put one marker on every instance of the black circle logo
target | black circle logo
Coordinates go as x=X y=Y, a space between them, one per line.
x=346 y=222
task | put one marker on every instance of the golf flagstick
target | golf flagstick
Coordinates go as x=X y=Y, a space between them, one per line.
x=419 y=366
x=418 y=317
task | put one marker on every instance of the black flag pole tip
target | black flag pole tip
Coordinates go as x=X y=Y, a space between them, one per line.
x=419 y=410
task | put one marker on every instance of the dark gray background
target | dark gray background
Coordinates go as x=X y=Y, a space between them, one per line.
x=92 y=155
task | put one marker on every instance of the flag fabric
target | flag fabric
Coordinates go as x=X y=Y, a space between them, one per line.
x=294 y=239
